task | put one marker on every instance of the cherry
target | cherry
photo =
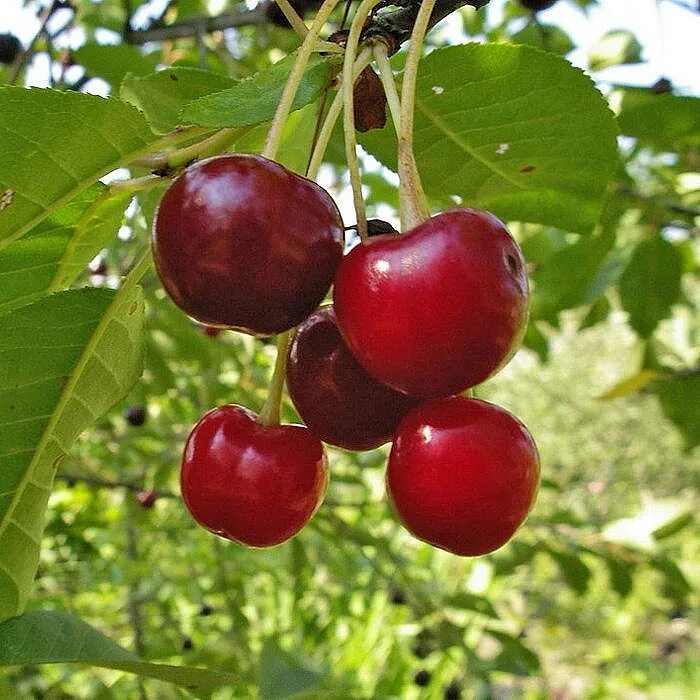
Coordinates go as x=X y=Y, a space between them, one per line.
x=211 y=331
x=135 y=415
x=10 y=47
x=422 y=678
x=435 y=310
x=147 y=498
x=462 y=475
x=453 y=691
x=537 y=5
x=334 y=396
x=257 y=485
x=239 y=241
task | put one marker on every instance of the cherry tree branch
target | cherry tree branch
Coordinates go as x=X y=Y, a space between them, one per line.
x=396 y=24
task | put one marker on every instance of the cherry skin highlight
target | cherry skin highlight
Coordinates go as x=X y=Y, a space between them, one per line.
x=241 y=242
x=438 y=309
x=257 y=485
x=335 y=397
x=463 y=474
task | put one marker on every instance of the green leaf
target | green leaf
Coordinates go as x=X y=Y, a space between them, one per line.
x=536 y=341
x=631 y=385
x=255 y=99
x=567 y=279
x=112 y=62
x=515 y=657
x=614 y=47
x=28 y=266
x=162 y=95
x=620 y=574
x=666 y=121
x=548 y=37
x=282 y=675
x=679 y=398
x=494 y=127
x=50 y=257
x=471 y=601
x=64 y=361
x=650 y=284
x=675 y=579
x=575 y=572
x=597 y=313
x=41 y=637
x=55 y=144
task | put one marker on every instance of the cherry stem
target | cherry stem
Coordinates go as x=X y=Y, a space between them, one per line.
x=293 y=18
x=274 y=135
x=413 y=208
x=216 y=143
x=270 y=412
x=386 y=75
x=351 y=48
x=326 y=131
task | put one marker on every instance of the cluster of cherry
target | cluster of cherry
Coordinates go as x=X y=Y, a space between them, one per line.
x=241 y=242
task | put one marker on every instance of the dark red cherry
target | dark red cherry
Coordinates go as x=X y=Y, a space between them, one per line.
x=255 y=484
x=147 y=498
x=435 y=310
x=239 y=241
x=334 y=396
x=463 y=474
x=537 y=5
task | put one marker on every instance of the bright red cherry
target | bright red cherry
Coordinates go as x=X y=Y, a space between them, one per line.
x=255 y=484
x=463 y=474
x=239 y=241
x=435 y=310
x=335 y=397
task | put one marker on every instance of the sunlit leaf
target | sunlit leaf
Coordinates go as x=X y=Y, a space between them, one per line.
x=255 y=99
x=614 y=47
x=631 y=385
x=44 y=157
x=494 y=127
x=64 y=361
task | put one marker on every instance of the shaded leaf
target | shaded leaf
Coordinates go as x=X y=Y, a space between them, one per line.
x=112 y=62
x=41 y=637
x=515 y=657
x=162 y=95
x=255 y=99
x=471 y=601
x=282 y=675
x=548 y=37
x=650 y=284
x=541 y=154
x=620 y=574
x=64 y=361
x=679 y=398
x=662 y=120
x=567 y=279
x=675 y=579
x=575 y=572
x=46 y=131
